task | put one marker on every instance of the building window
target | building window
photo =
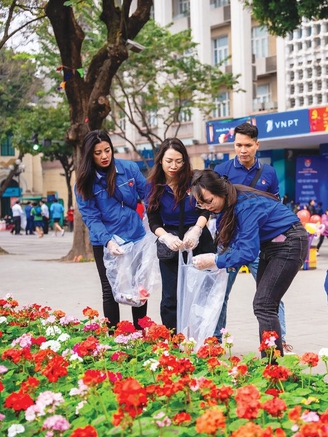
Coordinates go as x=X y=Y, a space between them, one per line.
x=7 y=147
x=260 y=42
x=263 y=93
x=184 y=6
x=219 y=3
x=220 y=50
x=152 y=118
x=222 y=105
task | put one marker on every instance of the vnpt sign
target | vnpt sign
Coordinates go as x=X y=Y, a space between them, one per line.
x=283 y=124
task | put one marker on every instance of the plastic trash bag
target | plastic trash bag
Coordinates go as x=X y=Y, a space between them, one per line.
x=200 y=297
x=135 y=275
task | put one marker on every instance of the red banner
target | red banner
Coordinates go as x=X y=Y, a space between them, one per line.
x=318 y=119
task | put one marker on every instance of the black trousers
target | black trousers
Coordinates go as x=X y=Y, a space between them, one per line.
x=110 y=307
x=17 y=223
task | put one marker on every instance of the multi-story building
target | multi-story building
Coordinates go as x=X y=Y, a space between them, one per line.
x=280 y=77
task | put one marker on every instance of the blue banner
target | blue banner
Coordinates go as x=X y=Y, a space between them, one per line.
x=283 y=124
x=222 y=131
x=12 y=192
x=312 y=179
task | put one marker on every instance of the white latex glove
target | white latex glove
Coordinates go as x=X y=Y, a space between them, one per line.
x=191 y=237
x=114 y=248
x=173 y=242
x=205 y=261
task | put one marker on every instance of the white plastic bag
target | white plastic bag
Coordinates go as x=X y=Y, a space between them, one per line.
x=200 y=297
x=135 y=275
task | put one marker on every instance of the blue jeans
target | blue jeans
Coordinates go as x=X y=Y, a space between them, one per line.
x=222 y=322
x=278 y=265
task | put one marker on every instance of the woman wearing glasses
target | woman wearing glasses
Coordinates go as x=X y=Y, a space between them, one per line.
x=251 y=221
x=168 y=203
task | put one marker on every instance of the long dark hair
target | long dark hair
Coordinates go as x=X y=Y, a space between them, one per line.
x=86 y=170
x=220 y=186
x=157 y=176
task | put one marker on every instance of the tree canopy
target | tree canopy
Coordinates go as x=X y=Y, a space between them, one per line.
x=283 y=16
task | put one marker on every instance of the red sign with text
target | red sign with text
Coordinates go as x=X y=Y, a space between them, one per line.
x=318 y=119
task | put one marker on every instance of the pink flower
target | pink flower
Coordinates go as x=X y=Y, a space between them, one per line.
x=56 y=423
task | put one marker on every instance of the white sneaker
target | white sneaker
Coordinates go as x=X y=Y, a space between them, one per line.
x=62 y=232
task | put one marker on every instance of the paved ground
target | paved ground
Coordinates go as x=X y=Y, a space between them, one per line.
x=33 y=273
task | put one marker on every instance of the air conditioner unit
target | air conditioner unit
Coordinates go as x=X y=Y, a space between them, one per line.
x=270 y=105
x=195 y=142
x=134 y=46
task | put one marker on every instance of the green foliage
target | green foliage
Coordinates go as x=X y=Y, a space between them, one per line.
x=283 y=16
x=166 y=79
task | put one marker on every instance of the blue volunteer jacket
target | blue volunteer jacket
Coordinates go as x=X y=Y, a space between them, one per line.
x=239 y=174
x=105 y=215
x=259 y=219
x=168 y=213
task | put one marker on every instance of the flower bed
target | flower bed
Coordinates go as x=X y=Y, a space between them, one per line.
x=60 y=376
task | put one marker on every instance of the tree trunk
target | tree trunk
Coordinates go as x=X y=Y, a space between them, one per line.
x=87 y=95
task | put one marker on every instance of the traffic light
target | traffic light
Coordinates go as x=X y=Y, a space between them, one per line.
x=35 y=142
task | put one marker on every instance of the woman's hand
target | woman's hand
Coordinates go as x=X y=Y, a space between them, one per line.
x=191 y=238
x=171 y=241
x=114 y=248
x=205 y=261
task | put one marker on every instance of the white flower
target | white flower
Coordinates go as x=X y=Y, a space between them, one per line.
x=63 y=337
x=9 y=296
x=51 y=344
x=52 y=331
x=76 y=357
x=151 y=364
x=3 y=320
x=15 y=429
x=323 y=352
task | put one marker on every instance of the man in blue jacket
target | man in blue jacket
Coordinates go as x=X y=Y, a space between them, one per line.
x=246 y=169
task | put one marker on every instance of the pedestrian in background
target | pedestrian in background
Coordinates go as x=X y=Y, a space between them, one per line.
x=168 y=193
x=70 y=218
x=250 y=222
x=37 y=218
x=106 y=192
x=246 y=169
x=29 y=229
x=45 y=216
x=57 y=211
x=17 y=217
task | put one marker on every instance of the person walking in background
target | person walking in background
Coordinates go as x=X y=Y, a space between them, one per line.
x=57 y=211
x=250 y=222
x=168 y=193
x=106 y=192
x=45 y=216
x=324 y=221
x=17 y=217
x=29 y=229
x=70 y=218
x=246 y=169
x=37 y=218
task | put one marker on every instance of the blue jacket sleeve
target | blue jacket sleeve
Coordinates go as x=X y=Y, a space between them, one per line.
x=91 y=216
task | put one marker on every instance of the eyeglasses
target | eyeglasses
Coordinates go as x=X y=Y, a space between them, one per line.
x=205 y=204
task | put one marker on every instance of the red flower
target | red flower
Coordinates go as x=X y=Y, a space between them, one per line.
x=145 y=322
x=310 y=358
x=275 y=407
x=181 y=417
x=88 y=431
x=90 y=313
x=131 y=395
x=276 y=373
x=248 y=404
x=2 y=387
x=123 y=328
x=158 y=332
x=93 y=377
x=29 y=385
x=55 y=369
x=210 y=421
x=18 y=401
